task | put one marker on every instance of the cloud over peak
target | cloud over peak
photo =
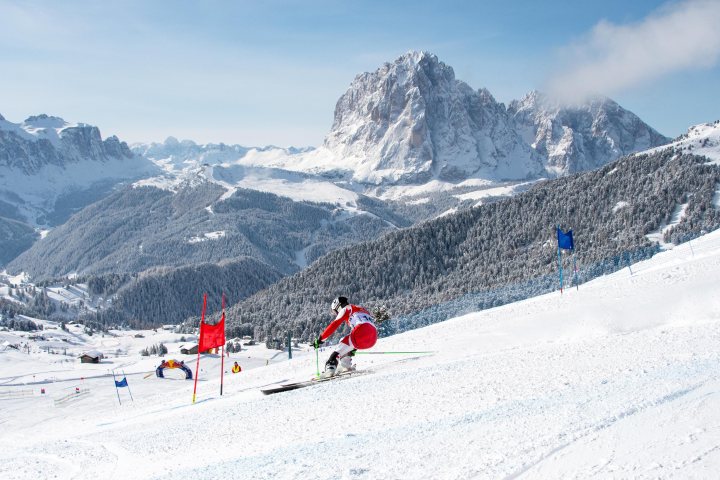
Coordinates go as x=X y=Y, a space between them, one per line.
x=612 y=58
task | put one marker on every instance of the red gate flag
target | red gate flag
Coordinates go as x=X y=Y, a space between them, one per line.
x=212 y=336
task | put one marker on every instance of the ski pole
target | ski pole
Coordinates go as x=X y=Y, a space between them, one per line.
x=317 y=360
x=394 y=353
x=116 y=389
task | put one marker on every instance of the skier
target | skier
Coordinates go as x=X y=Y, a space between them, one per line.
x=236 y=368
x=363 y=334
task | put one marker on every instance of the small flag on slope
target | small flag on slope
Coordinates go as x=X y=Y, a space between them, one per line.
x=565 y=240
x=121 y=383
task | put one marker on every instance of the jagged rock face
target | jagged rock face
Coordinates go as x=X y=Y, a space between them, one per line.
x=583 y=137
x=50 y=169
x=43 y=140
x=411 y=121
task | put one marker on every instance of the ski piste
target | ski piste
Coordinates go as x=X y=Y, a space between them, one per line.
x=286 y=387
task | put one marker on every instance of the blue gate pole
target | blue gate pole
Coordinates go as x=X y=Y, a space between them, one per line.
x=116 y=388
x=560 y=268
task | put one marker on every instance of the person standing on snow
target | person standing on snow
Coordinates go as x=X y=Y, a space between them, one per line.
x=363 y=334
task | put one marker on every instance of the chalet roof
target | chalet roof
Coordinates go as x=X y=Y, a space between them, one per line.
x=93 y=354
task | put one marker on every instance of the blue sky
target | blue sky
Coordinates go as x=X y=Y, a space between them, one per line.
x=270 y=72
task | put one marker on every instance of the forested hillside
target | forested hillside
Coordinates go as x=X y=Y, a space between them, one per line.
x=171 y=295
x=499 y=244
x=140 y=228
x=15 y=237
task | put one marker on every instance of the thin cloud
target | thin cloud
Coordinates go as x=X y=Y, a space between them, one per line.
x=613 y=58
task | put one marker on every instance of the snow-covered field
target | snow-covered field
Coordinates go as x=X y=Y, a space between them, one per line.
x=617 y=379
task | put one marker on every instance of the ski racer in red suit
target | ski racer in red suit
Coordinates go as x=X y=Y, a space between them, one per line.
x=363 y=334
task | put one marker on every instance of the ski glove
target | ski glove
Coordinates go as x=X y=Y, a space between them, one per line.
x=318 y=341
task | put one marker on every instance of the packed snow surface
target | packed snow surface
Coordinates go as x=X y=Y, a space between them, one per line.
x=617 y=379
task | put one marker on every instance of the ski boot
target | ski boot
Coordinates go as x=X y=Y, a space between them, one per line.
x=331 y=365
x=346 y=364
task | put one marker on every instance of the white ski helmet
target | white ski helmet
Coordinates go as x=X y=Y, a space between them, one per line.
x=338 y=303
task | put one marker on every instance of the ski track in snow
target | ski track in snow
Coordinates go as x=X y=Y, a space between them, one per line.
x=616 y=379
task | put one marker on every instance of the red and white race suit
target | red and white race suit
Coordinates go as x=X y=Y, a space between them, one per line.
x=363 y=333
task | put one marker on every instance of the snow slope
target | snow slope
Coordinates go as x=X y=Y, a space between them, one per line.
x=616 y=379
x=273 y=170
x=702 y=139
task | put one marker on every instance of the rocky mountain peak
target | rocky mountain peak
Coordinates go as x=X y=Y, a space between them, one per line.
x=411 y=67
x=50 y=168
x=411 y=121
x=580 y=137
x=408 y=68
x=47 y=140
x=44 y=121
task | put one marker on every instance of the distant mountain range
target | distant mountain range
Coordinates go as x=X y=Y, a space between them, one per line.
x=50 y=169
x=42 y=140
x=409 y=142
x=411 y=122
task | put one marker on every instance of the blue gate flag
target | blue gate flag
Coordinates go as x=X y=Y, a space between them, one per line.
x=565 y=240
x=121 y=383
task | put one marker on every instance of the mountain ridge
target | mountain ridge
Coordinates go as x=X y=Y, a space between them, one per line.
x=50 y=168
x=581 y=137
x=411 y=122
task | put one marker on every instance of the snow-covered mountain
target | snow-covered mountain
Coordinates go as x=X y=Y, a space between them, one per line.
x=410 y=130
x=187 y=152
x=44 y=140
x=237 y=166
x=411 y=121
x=581 y=137
x=50 y=168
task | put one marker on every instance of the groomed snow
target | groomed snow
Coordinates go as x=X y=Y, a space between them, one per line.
x=617 y=379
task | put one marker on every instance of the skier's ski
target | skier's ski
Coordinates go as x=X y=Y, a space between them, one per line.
x=294 y=386
x=345 y=373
